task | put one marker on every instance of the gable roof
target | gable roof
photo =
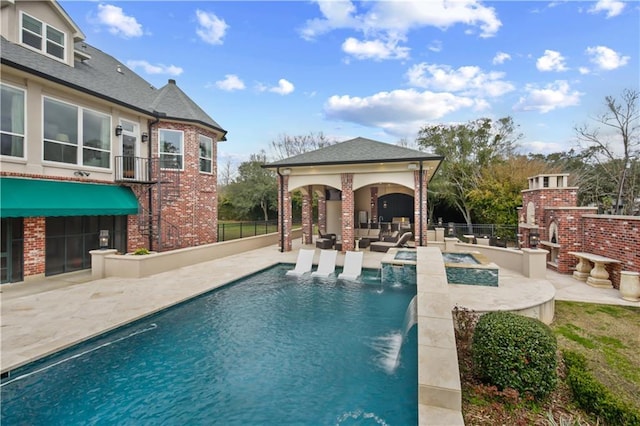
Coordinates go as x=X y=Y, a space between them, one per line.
x=355 y=151
x=103 y=76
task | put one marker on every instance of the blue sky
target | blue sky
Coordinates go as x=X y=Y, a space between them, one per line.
x=379 y=70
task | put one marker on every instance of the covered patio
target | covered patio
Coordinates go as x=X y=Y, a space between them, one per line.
x=359 y=183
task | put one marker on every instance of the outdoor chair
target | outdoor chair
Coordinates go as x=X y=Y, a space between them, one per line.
x=352 y=266
x=325 y=241
x=303 y=264
x=384 y=246
x=326 y=264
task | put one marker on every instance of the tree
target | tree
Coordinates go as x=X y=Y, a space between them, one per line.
x=498 y=193
x=615 y=151
x=468 y=149
x=254 y=188
x=287 y=146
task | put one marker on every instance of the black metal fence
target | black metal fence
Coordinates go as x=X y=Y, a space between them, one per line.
x=233 y=230
x=498 y=234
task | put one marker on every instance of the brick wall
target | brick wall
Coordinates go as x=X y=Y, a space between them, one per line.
x=194 y=210
x=416 y=214
x=616 y=237
x=348 y=203
x=307 y=215
x=34 y=245
x=284 y=210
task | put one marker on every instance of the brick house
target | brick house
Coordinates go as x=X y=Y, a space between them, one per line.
x=88 y=146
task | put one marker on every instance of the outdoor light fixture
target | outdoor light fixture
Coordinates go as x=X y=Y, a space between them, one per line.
x=452 y=229
x=440 y=222
x=412 y=166
x=144 y=136
x=104 y=239
x=384 y=204
x=534 y=239
x=118 y=130
x=286 y=171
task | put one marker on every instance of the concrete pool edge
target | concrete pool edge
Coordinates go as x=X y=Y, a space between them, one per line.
x=439 y=389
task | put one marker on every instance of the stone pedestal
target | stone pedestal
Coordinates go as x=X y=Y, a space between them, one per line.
x=630 y=286
x=583 y=268
x=97 y=262
x=599 y=277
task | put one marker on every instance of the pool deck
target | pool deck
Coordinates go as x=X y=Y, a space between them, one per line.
x=43 y=316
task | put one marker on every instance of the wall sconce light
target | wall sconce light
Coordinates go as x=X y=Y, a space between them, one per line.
x=412 y=166
x=104 y=239
x=384 y=204
x=144 y=137
x=118 y=130
x=286 y=171
x=534 y=239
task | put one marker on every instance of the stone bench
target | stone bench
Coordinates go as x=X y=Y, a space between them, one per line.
x=596 y=276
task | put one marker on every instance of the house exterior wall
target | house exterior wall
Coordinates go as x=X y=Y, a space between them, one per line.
x=194 y=212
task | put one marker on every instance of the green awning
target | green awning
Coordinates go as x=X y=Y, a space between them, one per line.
x=41 y=198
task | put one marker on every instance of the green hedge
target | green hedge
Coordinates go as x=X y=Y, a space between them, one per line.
x=593 y=396
x=513 y=351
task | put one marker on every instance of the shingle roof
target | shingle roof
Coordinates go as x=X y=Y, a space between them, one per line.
x=355 y=151
x=99 y=76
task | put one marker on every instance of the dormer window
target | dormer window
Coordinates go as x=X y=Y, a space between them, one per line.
x=42 y=37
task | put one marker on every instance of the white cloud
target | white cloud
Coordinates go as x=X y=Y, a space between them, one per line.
x=374 y=49
x=284 y=87
x=500 y=58
x=435 y=46
x=155 y=69
x=117 y=22
x=540 y=147
x=551 y=61
x=390 y=21
x=554 y=95
x=230 y=83
x=606 y=58
x=612 y=7
x=584 y=70
x=469 y=80
x=211 y=29
x=398 y=111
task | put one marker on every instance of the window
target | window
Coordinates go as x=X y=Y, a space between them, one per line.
x=171 y=149
x=206 y=154
x=75 y=135
x=12 y=121
x=33 y=32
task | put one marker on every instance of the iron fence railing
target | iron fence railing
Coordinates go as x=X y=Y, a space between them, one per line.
x=497 y=232
x=234 y=230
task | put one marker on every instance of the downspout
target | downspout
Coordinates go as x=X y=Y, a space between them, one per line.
x=149 y=193
x=420 y=209
x=281 y=212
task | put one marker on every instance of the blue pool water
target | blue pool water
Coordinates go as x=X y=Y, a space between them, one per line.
x=264 y=351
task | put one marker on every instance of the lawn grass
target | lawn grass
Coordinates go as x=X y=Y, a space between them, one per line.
x=231 y=230
x=609 y=337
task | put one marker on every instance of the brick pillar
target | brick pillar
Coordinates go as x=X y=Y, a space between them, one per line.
x=307 y=215
x=284 y=213
x=322 y=212
x=348 y=235
x=34 y=245
x=420 y=234
x=374 y=204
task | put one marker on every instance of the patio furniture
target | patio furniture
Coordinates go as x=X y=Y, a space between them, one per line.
x=303 y=263
x=325 y=241
x=352 y=266
x=326 y=264
x=384 y=246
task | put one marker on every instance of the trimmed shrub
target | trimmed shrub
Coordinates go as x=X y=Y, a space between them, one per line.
x=593 y=396
x=513 y=351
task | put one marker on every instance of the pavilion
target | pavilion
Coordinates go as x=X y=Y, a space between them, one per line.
x=358 y=182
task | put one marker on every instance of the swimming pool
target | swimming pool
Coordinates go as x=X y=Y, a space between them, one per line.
x=265 y=350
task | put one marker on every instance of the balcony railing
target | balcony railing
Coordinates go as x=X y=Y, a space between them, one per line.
x=136 y=169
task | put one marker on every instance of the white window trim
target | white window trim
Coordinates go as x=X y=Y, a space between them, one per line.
x=43 y=50
x=205 y=158
x=24 y=125
x=160 y=152
x=80 y=145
